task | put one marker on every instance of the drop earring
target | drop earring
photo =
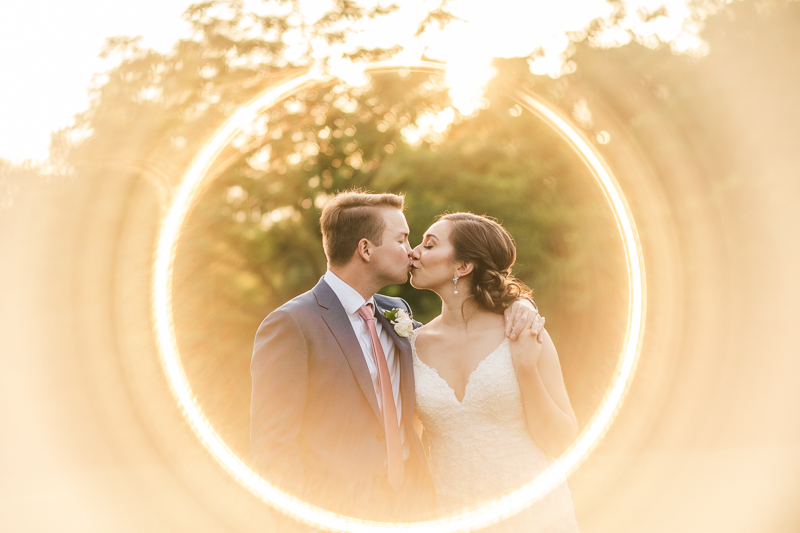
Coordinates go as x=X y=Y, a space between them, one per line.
x=455 y=283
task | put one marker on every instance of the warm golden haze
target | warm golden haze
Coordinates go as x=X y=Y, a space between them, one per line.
x=703 y=146
x=194 y=181
x=50 y=83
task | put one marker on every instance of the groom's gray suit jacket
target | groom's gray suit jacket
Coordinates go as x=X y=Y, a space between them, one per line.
x=316 y=429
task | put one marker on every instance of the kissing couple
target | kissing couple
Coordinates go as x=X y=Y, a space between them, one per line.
x=362 y=411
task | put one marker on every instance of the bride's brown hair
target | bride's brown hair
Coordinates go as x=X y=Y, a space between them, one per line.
x=488 y=246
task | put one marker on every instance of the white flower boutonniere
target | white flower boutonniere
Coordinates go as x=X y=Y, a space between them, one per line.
x=401 y=320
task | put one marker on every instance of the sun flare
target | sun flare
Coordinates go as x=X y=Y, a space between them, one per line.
x=193 y=182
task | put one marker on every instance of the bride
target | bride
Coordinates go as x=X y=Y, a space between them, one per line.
x=495 y=412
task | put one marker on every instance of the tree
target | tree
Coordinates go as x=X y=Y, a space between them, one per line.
x=252 y=241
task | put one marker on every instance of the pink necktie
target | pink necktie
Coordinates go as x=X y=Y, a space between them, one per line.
x=394 y=448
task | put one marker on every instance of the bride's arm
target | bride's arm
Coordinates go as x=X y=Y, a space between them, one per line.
x=418 y=428
x=548 y=412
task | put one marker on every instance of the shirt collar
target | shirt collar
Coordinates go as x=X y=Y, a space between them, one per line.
x=350 y=299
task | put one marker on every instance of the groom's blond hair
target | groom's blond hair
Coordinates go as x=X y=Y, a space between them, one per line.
x=351 y=216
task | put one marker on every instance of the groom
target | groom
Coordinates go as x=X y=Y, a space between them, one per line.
x=333 y=381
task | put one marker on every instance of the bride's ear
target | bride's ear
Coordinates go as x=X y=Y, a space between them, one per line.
x=464 y=269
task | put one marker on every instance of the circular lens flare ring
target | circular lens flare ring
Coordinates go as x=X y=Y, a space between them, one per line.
x=193 y=182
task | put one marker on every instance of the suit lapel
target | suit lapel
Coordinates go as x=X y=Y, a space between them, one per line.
x=335 y=317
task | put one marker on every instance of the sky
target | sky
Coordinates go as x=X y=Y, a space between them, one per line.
x=49 y=53
x=49 y=49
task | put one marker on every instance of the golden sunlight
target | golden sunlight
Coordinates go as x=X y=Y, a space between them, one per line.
x=197 y=178
x=159 y=201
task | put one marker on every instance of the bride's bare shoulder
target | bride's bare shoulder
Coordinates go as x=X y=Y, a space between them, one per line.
x=430 y=332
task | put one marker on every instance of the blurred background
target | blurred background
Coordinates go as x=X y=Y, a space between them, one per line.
x=694 y=105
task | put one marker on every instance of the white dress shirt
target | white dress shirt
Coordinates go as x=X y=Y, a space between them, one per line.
x=352 y=301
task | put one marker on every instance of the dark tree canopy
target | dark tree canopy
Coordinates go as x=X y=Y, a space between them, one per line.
x=252 y=241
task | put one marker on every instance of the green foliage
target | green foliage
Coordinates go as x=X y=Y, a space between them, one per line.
x=252 y=241
x=256 y=227
x=264 y=208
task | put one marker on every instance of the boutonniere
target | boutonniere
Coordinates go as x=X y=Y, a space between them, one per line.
x=401 y=320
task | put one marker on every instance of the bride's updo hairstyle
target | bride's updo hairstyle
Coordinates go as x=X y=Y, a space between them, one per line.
x=488 y=246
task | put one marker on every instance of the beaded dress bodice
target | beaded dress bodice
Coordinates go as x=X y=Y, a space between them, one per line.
x=480 y=448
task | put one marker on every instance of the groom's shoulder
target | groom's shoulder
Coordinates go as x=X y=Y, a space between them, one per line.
x=299 y=305
x=299 y=309
x=391 y=302
x=297 y=315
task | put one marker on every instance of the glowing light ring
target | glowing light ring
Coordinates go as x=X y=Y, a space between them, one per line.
x=493 y=512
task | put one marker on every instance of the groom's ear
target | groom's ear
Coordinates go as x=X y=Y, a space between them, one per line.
x=364 y=249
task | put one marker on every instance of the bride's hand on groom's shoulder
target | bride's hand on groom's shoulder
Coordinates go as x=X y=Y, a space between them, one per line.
x=522 y=316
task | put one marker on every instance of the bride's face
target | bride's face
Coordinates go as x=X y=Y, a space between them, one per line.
x=432 y=264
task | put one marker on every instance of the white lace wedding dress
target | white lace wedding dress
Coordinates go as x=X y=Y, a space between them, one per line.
x=481 y=449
